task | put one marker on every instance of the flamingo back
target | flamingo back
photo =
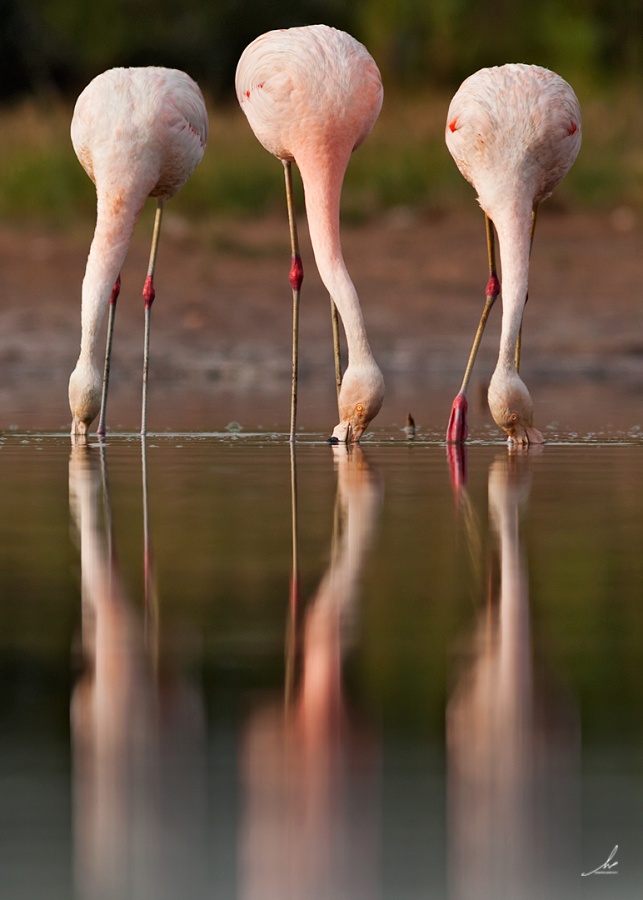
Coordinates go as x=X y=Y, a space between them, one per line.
x=514 y=129
x=140 y=128
x=309 y=86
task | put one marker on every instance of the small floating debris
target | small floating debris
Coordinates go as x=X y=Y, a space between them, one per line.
x=409 y=428
x=234 y=427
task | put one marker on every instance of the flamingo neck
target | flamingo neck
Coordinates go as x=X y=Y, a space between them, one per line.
x=115 y=222
x=514 y=236
x=323 y=179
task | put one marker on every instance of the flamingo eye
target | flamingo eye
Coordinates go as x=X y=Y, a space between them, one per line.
x=359 y=407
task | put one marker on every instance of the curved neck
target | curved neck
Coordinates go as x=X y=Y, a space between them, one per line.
x=323 y=179
x=115 y=222
x=514 y=227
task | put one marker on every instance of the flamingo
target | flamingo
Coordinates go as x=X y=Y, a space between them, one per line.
x=312 y=95
x=514 y=132
x=138 y=133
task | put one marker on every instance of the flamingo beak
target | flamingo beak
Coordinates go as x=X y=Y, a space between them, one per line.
x=78 y=427
x=525 y=436
x=341 y=433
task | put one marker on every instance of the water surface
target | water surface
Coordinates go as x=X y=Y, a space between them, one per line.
x=233 y=670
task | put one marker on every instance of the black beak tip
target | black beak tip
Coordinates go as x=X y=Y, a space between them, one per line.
x=332 y=440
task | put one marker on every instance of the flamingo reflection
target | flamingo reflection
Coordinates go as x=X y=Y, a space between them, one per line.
x=512 y=748
x=309 y=822
x=138 y=739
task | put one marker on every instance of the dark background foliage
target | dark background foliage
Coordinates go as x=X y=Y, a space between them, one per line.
x=59 y=45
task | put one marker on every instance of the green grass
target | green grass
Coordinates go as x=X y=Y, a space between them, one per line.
x=403 y=163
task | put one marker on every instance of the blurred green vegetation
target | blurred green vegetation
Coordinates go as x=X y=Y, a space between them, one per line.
x=404 y=163
x=49 y=49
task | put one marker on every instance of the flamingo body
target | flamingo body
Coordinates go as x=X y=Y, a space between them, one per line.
x=312 y=95
x=138 y=133
x=514 y=131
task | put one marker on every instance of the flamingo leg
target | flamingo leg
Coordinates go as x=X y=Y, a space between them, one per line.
x=457 y=428
x=534 y=215
x=336 y=346
x=296 y=277
x=108 y=355
x=148 y=296
x=518 y=349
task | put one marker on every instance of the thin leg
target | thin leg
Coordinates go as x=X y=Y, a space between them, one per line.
x=148 y=296
x=492 y=291
x=108 y=355
x=457 y=428
x=518 y=349
x=336 y=346
x=296 y=277
x=534 y=215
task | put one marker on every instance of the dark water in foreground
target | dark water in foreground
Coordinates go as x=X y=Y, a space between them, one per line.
x=440 y=694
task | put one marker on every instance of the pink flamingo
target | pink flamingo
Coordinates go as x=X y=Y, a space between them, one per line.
x=138 y=133
x=312 y=95
x=514 y=131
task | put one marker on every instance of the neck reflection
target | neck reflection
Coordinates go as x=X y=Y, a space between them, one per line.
x=309 y=823
x=512 y=738
x=137 y=732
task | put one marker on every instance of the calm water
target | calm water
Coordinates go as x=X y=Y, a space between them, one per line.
x=233 y=672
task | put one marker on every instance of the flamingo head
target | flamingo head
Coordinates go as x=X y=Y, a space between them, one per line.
x=85 y=388
x=512 y=408
x=360 y=400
